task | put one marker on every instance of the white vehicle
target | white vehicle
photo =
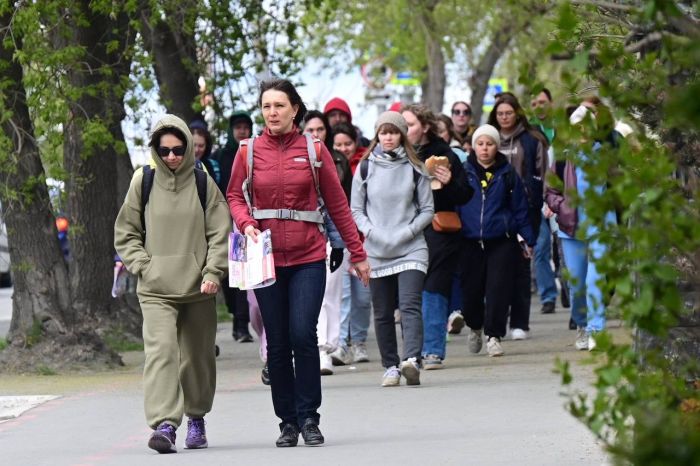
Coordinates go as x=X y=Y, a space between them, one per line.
x=5 y=276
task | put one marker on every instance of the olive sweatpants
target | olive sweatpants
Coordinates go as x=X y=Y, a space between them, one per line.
x=179 y=375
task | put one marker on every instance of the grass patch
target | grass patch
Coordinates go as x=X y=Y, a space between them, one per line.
x=45 y=370
x=222 y=314
x=117 y=341
x=3 y=344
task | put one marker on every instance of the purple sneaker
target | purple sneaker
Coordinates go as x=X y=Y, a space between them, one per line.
x=163 y=439
x=196 y=434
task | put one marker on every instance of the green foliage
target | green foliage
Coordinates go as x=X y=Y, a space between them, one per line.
x=222 y=314
x=3 y=344
x=646 y=405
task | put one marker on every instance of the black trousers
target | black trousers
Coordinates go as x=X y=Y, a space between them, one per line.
x=237 y=304
x=522 y=296
x=488 y=270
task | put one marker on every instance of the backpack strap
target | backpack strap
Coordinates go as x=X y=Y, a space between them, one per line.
x=200 y=178
x=146 y=185
x=246 y=149
x=313 y=147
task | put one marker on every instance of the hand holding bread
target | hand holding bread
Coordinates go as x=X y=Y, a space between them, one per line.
x=438 y=167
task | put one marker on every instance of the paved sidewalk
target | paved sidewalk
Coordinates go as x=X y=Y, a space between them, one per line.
x=477 y=410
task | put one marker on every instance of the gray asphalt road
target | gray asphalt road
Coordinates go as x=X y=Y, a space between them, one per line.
x=477 y=410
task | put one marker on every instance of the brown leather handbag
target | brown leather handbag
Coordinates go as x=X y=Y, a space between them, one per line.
x=446 y=222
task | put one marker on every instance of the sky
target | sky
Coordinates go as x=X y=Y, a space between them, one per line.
x=319 y=86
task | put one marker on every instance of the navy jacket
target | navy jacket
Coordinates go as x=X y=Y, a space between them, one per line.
x=500 y=210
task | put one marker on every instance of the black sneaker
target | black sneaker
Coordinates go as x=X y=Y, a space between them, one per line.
x=289 y=436
x=311 y=433
x=242 y=336
x=265 y=375
x=548 y=308
x=564 y=296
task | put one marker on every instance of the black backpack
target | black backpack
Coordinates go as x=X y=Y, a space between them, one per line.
x=149 y=174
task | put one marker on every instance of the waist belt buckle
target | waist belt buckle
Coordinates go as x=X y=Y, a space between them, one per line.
x=285 y=214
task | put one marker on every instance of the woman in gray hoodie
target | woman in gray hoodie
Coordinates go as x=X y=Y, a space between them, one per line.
x=392 y=203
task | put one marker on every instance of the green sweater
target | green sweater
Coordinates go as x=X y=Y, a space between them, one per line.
x=183 y=246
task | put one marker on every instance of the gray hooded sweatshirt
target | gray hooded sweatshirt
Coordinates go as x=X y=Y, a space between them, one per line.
x=392 y=211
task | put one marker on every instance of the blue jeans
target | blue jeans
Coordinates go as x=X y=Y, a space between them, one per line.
x=435 y=313
x=587 y=308
x=355 y=310
x=290 y=310
x=544 y=275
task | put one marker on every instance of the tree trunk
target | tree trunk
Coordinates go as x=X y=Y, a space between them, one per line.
x=172 y=45
x=92 y=185
x=45 y=329
x=479 y=79
x=433 y=85
x=500 y=39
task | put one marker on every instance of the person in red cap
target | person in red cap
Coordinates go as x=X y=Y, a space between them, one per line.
x=338 y=111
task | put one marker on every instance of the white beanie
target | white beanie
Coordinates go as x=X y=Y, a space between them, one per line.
x=486 y=130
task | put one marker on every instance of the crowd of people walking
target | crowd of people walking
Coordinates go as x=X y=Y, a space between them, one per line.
x=438 y=223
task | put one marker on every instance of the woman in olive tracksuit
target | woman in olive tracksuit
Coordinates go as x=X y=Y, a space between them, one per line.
x=177 y=247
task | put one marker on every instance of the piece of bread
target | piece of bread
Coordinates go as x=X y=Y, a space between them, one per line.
x=435 y=161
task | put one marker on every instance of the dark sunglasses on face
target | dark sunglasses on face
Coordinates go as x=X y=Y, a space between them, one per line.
x=458 y=112
x=163 y=151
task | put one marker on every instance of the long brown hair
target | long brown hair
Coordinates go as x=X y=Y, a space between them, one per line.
x=410 y=152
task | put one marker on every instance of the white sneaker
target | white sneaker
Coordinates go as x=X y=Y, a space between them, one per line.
x=326 y=363
x=474 y=340
x=455 y=323
x=493 y=347
x=392 y=377
x=359 y=353
x=518 y=334
x=410 y=370
x=581 y=339
x=341 y=356
x=591 y=343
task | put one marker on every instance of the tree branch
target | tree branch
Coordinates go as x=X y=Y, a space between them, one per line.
x=603 y=4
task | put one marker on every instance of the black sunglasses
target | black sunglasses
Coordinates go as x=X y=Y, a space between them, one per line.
x=163 y=151
x=458 y=112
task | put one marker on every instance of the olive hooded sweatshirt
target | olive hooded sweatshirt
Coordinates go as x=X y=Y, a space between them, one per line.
x=184 y=246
